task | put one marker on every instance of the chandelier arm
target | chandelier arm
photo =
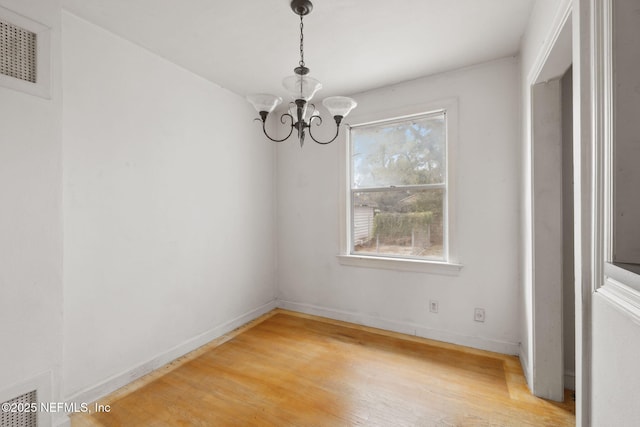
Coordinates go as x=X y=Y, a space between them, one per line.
x=318 y=124
x=282 y=120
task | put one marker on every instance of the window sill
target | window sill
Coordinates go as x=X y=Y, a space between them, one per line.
x=398 y=264
x=621 y=288
x=627 y=274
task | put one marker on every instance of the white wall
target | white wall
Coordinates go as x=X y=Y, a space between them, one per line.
x=310 y=276
x=168 y=211
x=615 y=381
x=30 y=221
x=546 y=136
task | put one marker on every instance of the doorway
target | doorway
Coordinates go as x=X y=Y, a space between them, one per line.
x=552 y=282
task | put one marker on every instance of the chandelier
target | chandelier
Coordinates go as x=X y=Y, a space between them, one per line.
x=302 y=114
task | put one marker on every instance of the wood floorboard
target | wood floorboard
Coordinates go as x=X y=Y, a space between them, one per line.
x=290 y=369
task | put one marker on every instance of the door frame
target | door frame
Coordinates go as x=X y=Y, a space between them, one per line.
x=545 y=216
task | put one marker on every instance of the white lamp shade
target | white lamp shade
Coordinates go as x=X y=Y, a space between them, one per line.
x=264 y=102
x=301 y=87
x=339 y=105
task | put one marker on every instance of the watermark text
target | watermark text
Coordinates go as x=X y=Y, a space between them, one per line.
x=54 y=407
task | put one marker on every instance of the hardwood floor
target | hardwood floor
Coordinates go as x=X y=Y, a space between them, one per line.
x=290 y=369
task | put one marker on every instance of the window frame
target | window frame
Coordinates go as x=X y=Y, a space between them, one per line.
x=450 y=264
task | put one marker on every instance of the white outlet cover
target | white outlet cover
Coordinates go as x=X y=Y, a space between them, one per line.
x=433 y=306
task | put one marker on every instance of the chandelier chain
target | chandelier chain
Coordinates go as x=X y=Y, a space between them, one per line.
x=301 y=43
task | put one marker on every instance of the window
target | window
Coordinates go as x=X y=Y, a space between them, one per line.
x=399 y=191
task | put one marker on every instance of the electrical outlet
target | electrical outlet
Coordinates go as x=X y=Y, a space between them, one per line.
x=478 y=315
x=433 y=306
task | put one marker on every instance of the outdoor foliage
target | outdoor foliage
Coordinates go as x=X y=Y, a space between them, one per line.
x=399 y=225
x=411 y=152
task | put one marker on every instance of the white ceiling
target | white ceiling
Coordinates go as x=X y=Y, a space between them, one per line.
x=350 y=45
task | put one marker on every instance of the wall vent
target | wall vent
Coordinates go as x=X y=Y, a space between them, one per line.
x=20 y=417
x=25 y=54
x=18 y=57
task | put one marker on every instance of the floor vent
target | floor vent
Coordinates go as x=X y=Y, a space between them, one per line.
x=18 y=56
x=22 y=411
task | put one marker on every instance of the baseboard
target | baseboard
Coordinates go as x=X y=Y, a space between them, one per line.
x=569 y=377
x=117 y=381
x=570 y=380
x=524 y=362
x=403 y=327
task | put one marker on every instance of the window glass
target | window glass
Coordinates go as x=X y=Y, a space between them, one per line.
x=398 y=188
x=407 y=152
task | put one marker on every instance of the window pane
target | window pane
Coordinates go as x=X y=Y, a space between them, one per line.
x=410 y=152
x=399 y=223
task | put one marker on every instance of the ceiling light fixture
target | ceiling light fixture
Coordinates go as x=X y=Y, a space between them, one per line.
x=302 y=113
